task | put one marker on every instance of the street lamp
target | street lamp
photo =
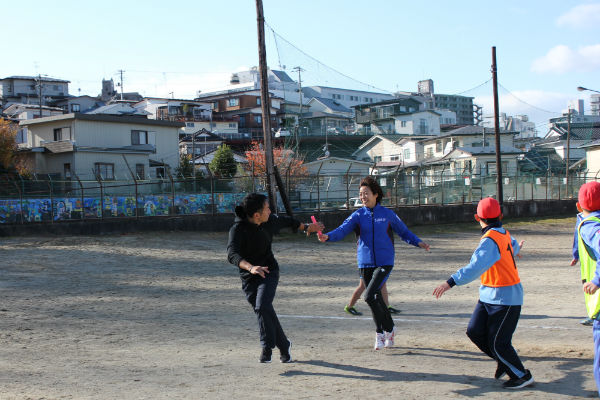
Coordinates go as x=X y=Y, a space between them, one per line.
x=582 y=89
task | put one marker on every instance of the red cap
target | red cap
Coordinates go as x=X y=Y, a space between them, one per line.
x=589 y=196
x=488 y=208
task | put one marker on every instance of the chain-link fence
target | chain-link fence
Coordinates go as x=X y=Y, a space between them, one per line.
x=44 y=199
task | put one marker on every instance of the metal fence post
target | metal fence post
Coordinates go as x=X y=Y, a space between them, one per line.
x=419 y=184
x=99 y=179
x=20 y=198
x=212 y=195
x=82 y=198
x=49 y=182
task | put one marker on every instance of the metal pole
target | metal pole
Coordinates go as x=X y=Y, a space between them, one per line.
x=499 y=195
x=265 y=103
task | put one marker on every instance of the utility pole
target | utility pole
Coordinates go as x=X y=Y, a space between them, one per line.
x=568 y=152
x=121 y=71
x=299 y=70
x=265 y=103
x=40 y=92
x=500 y=194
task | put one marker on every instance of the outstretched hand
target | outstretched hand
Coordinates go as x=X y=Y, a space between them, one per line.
x=315 y=227
x=322 y=237
x=440 y=290
x=424 y=245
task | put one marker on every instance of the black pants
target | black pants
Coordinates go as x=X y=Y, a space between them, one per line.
x=491 y=328
x=260 y=293
x=374 y=279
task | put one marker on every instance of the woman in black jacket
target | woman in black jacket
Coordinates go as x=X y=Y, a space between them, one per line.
x=249 y=248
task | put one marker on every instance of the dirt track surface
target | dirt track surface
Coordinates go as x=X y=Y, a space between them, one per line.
x=162 y=316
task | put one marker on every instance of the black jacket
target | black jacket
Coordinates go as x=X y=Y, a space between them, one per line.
x=252 y=243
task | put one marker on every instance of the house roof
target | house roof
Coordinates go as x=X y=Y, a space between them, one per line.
x=391 y=101
x=392 y=138
x=579 y=131
x=455 y=130
x=594 y=143
x=332 y=104
x=29 y=78
x=282 y=76
x=140 y=120
x=200 y=135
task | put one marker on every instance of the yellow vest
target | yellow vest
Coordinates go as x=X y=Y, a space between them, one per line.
x=588 y=268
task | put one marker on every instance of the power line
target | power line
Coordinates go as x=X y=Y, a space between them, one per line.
x=524 y=102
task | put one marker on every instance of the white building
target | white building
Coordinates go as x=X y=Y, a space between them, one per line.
x=106 y=146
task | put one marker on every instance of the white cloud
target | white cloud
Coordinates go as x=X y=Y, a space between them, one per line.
x=581 y=16
x=561 y=59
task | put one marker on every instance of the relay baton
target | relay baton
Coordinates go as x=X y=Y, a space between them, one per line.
x=314 y=220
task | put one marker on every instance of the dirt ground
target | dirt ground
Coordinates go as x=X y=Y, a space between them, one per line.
x=162 y=316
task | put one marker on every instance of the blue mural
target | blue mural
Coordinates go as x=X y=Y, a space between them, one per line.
x=72 y=208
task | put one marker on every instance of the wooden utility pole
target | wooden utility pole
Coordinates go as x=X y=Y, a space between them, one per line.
x=499 y=191
x=265 y=103
x=567 y=160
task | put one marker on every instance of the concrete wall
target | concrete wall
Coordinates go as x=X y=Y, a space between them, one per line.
x=423 y=215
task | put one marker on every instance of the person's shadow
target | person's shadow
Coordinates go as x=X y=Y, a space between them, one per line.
x=570 y=384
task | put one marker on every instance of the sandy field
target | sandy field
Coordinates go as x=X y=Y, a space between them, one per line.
x=162 y=316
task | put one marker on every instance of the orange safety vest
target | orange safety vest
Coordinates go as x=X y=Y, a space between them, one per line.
x=504 y=271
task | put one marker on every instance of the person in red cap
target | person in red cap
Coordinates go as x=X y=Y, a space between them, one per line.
x=588 y=238
x=497 y=312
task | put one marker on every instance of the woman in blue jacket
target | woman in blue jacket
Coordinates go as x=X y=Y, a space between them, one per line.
x=374 y=225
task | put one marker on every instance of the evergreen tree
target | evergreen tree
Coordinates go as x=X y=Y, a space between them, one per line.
x=223 y=164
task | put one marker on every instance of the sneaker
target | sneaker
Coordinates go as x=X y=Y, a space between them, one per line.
x=265 y=356
x=393 y=310
x=587 y=322
x=519 y=383
x=500 y=371
x=389 y=338
x=379 y=340
x=352 y=310
x=286 y=355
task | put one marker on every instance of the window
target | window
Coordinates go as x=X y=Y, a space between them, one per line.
x=57 y=134
x=429 y=152
x=189 y=124
x=258 y=119
x=233 y=102
x=62 y=134
x=258 y=101
x=105 y=171
x=406 y=154
x=403 y=124
x=232 y=124
x=395 y=157
x=22 y=135
x=67 y=169
x=377 y=159
x=438 y=146
x=139 y=137
x=139 y=171
x=75 y=108
x=160 y=172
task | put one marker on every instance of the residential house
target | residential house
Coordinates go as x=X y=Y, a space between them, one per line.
x=326 y=117
x=338 y=179
x=462 y=106
x=520 y=123
x=79 y=104
x=32 y=90
x=576 y=133
x=592 y=157
x=398 y=116
x=244 y=107
x=91 y=146
x=22 y=112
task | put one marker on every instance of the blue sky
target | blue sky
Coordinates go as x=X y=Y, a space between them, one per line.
x=545 y=49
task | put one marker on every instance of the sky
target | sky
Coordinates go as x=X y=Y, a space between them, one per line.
x=545 y=48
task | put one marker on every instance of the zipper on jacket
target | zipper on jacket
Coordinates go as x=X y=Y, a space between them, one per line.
x=373 y=233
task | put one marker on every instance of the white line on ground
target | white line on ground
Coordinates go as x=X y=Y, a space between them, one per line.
x=522 y=325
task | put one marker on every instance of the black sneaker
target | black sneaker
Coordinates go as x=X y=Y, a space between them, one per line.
x=286 y=355
x=352 y=310
x=393 y=310
x=519 y=383
x=265 y=356
x=500 y=371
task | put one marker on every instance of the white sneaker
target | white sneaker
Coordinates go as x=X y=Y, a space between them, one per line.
x=379 y=341
x=389 y=338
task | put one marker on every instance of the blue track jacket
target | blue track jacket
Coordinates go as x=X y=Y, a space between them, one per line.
x=374 y=228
